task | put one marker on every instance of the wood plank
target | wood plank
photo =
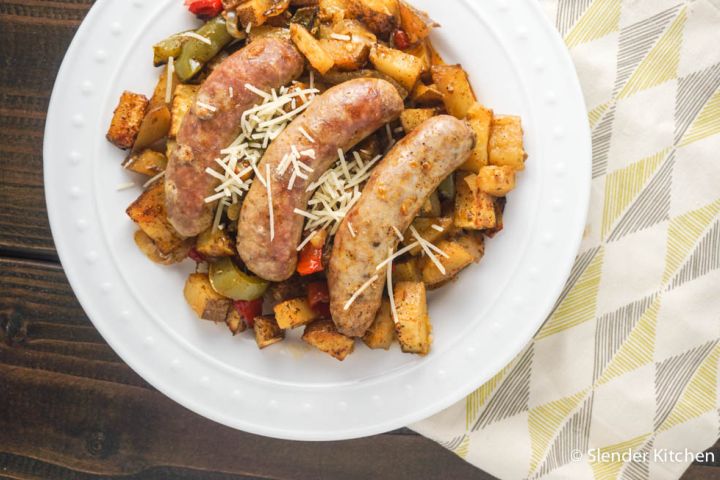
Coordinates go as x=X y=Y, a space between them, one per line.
x=77 y=408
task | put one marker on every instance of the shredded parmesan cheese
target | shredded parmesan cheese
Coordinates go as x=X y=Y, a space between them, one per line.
x=197 y=36
x=125 y=186
x=307 y=239
x=391 y=294
x=248 y=28
x=398 y=233
x=268 y=186
x=238 y=166
x=438 y=228
x=306 y=135
x=338 y=36
x=168 y=79
x=231 y=92
x=359 y=291
x=350 y=228
x=206 y=106
x=159 y=175
x=424 y=245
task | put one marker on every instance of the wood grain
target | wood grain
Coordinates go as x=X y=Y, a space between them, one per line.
x=70 y=408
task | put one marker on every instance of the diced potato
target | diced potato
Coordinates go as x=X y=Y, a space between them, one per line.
x=426 y=94
x=505 y=146
x=355 y=30
x=257 y=12
x=303 y=3
x=346 y=56
x=127 y=119
x=424 y=227
x=333 y=10
x=415 y=23
x=474 y=209
x=155 y=127
x=435 y=58
x=421 y=51
x=267 y=331
x=311 y=48
x=235 y=322
x=294 y=313
x=411 y=118
x=265 y=31
x=496 y=181
x=401 y=66
x=381 y=16
x=148 y=162
x=413 y=323
x=480 y=119
x=148 y=211
x=499 y=224
x=406 y=271
x=323 y=335
x=160 y=94
x=148 y=247
x=460 y=252
x=181 y=104
x=215 y=243
x=382 y=331
x=206 y=302
x=453 y=83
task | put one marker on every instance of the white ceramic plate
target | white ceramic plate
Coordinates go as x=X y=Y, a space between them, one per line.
x=518 y=65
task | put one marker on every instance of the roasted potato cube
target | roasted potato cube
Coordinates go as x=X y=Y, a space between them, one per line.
x=413 y=323
x=181 y=104
x=148 y=211
x=294 y=313
x=453 y=83
x=460 y=252
x=415 y=23
x=381 y=16
x=160 y=94
x=411 y=118
x=235 y=321
x=333 y=10
x=435 y=58
x=303 y=3
x=421 y=52
x=480 y=119
x=206 y=302
x=426 y=94
x=505 y=146
x=148 y=162
x=346 y=56
x=355 y=30
x=214 y=243
x=496 y=181
x=267 y=331
x=401 y=66
x=257 y=12
x=499 y=224
x=150 y=249
x=127 y=119
x=427 y=228
x=323 y=335
x=406 y=271
x=155 y=127
x=382 y=331
x=311 y=48
x=474 y=209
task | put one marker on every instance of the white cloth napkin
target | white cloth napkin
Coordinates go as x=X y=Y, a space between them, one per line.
x=622 y=380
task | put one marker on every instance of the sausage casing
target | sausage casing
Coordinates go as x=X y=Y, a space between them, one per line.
x=396 y=191
x=338 y=119
x=266 y=63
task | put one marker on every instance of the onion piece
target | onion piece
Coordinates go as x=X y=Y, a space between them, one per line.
x=231 y=22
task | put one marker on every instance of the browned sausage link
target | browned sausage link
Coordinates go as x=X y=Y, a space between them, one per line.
x=337 y=119
x=266 y=63
x=400 y=184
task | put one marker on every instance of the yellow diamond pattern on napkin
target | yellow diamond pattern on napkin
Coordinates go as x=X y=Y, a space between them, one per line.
x=629 y=357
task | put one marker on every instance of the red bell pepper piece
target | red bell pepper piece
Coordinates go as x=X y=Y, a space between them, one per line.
x=323 y=310
x=318 y=293
x=195 y=255
x=205 y=8
x=310 y=260
x=249 y=309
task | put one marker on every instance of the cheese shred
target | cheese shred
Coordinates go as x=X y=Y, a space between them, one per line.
x=391 y=294
x=359 y=291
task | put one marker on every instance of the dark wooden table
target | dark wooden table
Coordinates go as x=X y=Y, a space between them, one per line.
x=69 y=407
